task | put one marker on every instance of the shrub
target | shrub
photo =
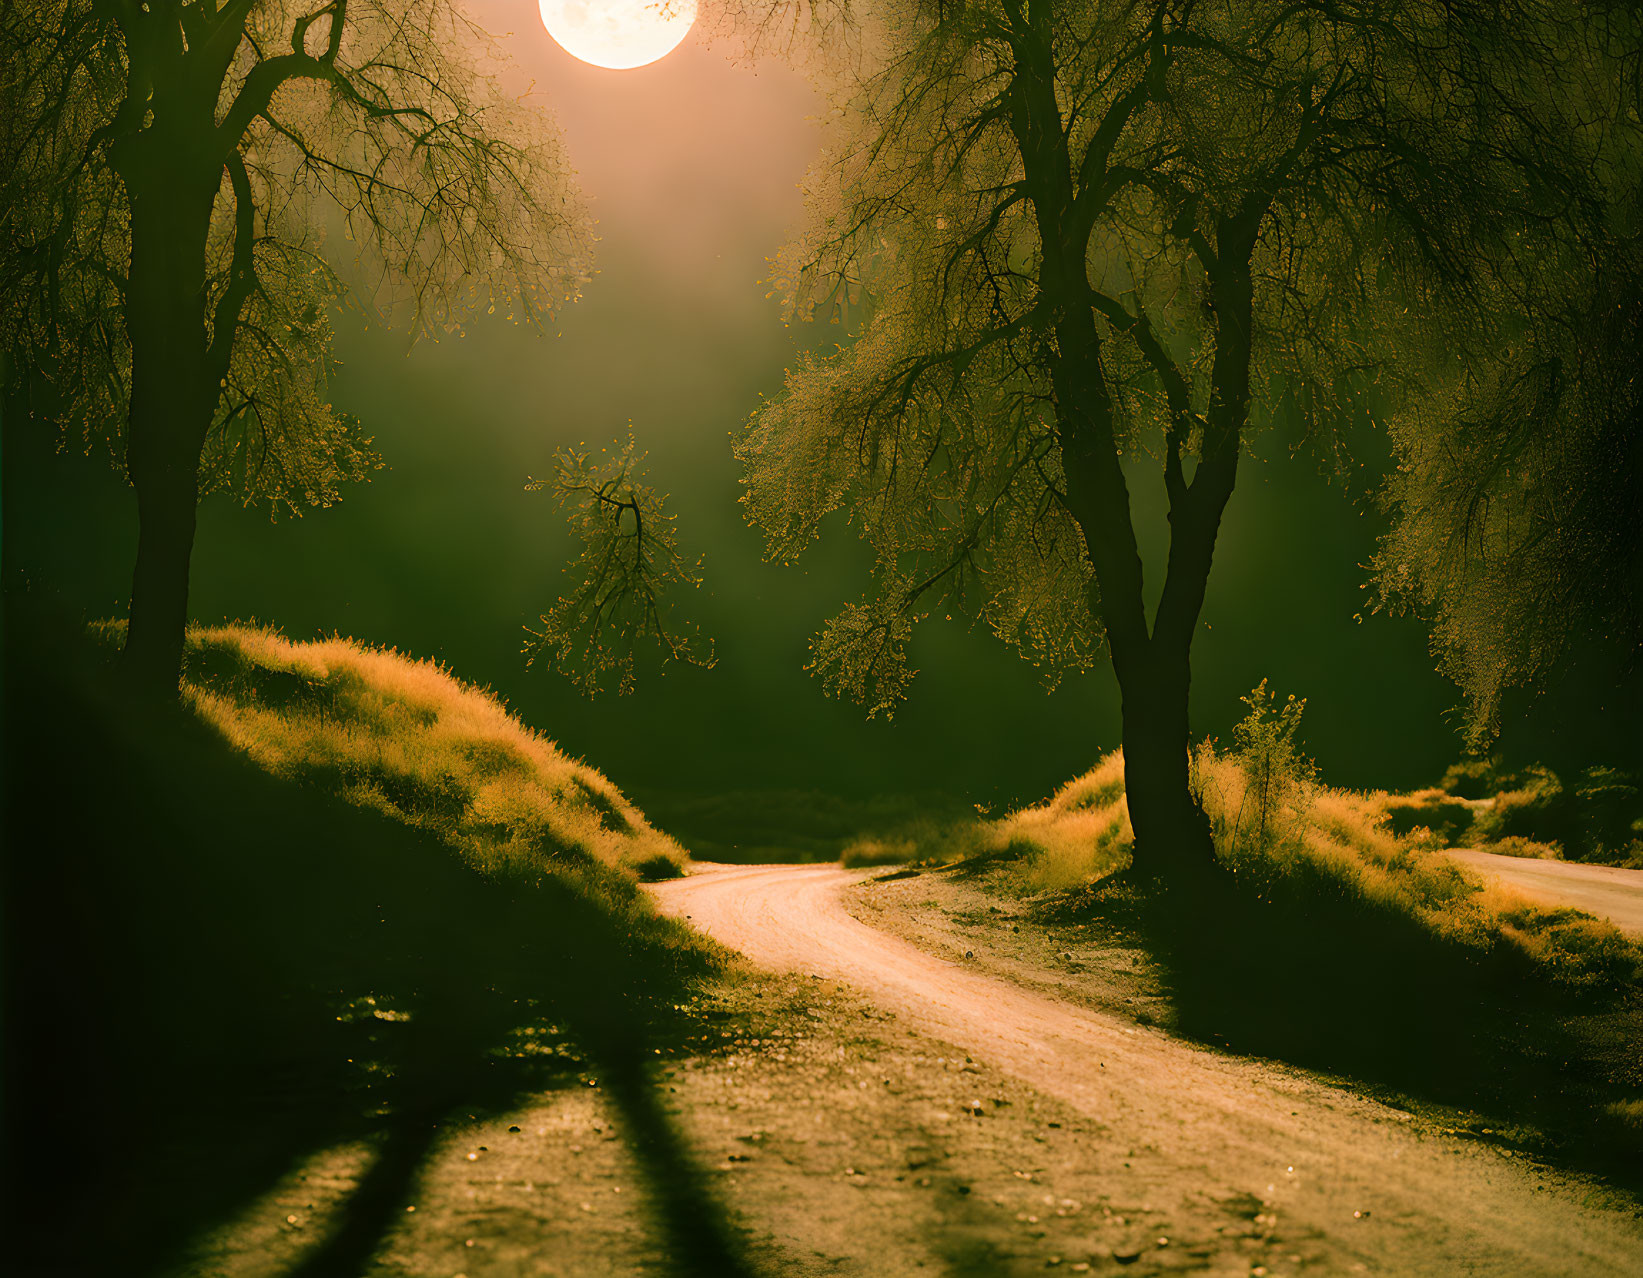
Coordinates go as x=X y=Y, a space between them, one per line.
x=1598 y=818
x=1277 y=777
x=1609 y=811
x=1448 y=819
x=1477 y=779
x=1513 y=845
x=1538 y=808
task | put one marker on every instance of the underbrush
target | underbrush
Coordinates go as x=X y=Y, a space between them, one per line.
x=1596 y=818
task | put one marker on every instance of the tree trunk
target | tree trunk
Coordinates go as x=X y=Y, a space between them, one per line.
x=1172 y=834
x=167 y=494
x=173 y=396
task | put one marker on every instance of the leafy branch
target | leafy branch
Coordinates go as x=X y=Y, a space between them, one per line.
x=623 y=578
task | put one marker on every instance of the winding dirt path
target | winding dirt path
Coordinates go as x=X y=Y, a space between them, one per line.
x=1379 y=1191
x=1604 y=890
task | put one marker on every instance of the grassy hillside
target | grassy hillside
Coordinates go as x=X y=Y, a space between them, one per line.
x=336 y=897
x=410 y=740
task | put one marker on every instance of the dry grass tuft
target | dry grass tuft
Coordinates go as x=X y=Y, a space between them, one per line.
x=409 y=739
x=1080 y=835
x=876 y=851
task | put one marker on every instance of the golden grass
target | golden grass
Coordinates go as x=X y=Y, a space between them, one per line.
x=409 y=739
x=1082 y=834
x=1628 y=1113
x=878 y=851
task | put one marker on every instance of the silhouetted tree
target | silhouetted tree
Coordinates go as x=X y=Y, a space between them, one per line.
x=167 y=169
x=1086 y=238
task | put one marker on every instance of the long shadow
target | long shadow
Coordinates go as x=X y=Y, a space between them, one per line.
x=209 y=975
x=376 y=1203
x=1295 y=967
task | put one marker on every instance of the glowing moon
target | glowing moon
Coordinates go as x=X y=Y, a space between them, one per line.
x=618 y=33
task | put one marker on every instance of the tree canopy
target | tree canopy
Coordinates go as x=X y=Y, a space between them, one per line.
x=379 y=124
x=1075 y=241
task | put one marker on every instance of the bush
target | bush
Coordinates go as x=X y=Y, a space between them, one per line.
x=1477 y=779
x=1537 y=808
x=1609 y=810
x=1512 y=845
x=1277 y=777
x=1449 y=819
x=1599 y=818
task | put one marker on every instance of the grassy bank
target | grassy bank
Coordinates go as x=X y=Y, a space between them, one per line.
x=1326 y=935
x=1343 y=841
x=410 y=740
x=260 y=924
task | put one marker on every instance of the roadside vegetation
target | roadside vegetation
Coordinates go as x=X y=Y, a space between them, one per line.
x=1275 y=823
x=1595 y=817
x=1332 y=931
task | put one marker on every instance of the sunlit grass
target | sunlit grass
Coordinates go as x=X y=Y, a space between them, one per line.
x=869 y=851
x=409 y=739
x=1338 y=837
x=1081 y=834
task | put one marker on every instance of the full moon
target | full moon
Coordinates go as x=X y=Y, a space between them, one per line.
x=618 y=33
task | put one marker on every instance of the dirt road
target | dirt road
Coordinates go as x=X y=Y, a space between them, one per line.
x=1604 y=890
x=1375 y=1189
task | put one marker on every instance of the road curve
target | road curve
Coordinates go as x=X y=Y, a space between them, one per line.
x=1604 y=890
x=1377 y=1191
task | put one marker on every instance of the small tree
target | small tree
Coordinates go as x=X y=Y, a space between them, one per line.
x=1082 y=238
x=167 y=169
x=1276 y=773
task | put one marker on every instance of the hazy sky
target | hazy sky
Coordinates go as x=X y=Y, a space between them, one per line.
x=692 y=167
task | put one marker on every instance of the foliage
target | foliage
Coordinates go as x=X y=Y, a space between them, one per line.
x=622 y=579
x=1448 y=819
x=1068 y=240
x=409 y=740
x=1477 y=778
x=1597 y=818
x=1517 y=526
x=1515 y=845
x=387 y=124
x=1277 y=776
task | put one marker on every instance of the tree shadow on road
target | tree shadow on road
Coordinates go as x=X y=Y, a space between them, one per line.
x=1297 y=969
x=211 y=975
